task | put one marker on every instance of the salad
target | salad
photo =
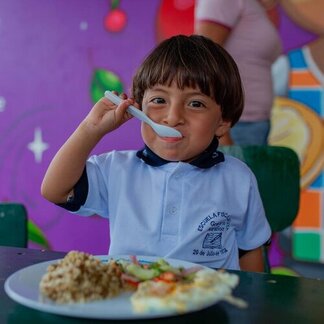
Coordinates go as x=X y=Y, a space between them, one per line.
x=134 y=272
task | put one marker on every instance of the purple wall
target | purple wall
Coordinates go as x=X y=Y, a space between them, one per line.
x=291 y=34
x=48 y=53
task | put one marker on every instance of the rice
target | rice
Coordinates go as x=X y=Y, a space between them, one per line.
x=80 y=277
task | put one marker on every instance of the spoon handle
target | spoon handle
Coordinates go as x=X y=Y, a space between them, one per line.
x=161 y=130
x=131 y=109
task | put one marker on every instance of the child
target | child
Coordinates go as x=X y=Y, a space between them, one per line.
x=178 y=197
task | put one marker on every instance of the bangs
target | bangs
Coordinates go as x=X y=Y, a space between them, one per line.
x=176 y=63
x=183 y=71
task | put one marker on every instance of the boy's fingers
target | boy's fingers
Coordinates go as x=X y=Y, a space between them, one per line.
x=123 y=95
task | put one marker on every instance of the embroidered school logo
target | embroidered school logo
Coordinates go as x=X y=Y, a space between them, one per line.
x=212 y=241
x=215 y=225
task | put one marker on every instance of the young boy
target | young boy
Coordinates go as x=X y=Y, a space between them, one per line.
x=178 y=197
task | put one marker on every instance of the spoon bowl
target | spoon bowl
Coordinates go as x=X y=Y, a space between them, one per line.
x=161 y=130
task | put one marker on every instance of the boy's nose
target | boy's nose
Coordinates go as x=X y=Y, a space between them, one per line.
x=174 y=116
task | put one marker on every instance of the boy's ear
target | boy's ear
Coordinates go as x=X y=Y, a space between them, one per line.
x=223 y=128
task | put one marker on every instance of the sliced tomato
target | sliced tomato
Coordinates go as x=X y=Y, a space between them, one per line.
x=131 y=283
x=130 y=280
x=166 y=277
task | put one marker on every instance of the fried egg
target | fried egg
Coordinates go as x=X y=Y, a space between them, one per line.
x=208 y=287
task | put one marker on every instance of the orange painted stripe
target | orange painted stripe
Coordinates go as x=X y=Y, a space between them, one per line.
x=309 y=214
x=303 y=78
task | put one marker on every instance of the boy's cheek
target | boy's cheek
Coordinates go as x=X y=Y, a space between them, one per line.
x=147 y=133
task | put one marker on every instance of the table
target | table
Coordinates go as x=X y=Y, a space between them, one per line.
x=271 y=298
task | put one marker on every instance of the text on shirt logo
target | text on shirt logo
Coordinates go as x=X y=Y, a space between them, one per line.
x=218 y=222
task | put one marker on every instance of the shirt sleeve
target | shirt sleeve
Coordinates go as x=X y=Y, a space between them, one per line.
x=97 y=202
x=80 y=194
x=223 y=12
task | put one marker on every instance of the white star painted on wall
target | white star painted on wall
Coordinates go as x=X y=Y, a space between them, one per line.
x=2 y=104
x=37 y=146
x=83 y=25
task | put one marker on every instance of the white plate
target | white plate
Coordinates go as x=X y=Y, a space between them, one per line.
x=23 y=287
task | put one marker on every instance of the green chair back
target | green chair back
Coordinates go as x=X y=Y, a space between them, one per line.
x=13 y=225
x=277 y=170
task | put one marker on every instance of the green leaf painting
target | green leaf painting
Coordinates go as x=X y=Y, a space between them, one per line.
x=103 y=80
x=36 y=235
x=114 y=4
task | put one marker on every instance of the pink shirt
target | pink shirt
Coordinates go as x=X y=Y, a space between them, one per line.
x=253 y=43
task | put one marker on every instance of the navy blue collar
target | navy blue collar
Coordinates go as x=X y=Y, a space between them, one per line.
x=205 y=160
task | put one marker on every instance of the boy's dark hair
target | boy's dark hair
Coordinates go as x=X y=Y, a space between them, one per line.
x=193 y=61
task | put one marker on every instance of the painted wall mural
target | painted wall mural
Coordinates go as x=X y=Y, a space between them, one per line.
x=298 y=120
x=57 y=58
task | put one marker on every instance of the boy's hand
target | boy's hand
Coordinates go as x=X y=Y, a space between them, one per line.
x=105 y=116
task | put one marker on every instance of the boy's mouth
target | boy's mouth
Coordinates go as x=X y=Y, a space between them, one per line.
x=171 y=139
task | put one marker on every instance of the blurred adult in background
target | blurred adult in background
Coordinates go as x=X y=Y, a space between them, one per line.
x=245 y=29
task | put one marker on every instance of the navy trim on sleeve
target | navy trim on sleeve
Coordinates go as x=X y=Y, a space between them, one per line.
x=79 y=198
x=242 y=252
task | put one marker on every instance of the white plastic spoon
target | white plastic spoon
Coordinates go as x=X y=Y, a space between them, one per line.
x=161 y=130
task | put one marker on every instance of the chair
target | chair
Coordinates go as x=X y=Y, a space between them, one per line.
x=13 y=225
x=277 y=170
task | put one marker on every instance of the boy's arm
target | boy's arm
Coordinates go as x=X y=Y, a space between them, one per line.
x=68 y=164
x=252 y=261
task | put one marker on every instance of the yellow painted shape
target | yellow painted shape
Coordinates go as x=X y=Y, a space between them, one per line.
x=297 y=126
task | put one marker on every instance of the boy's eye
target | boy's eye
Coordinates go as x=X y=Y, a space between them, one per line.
x=158 y=100
x=196 y=104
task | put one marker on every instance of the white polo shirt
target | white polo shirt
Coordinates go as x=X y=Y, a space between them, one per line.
x=177 y=210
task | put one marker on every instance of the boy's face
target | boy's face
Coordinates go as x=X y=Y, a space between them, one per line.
x=194 y=114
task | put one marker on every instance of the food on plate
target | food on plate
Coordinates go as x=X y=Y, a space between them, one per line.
x=80 y=277
x=155 y=286
x=207 y=287
x=135 y=272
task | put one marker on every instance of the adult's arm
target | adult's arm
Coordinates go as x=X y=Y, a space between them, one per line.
x=219 y=34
